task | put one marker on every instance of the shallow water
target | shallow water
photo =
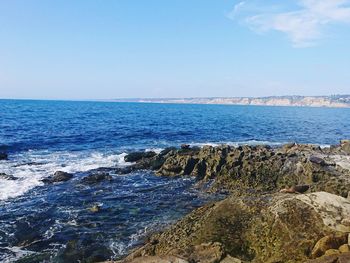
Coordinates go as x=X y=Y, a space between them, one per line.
x=47 y=222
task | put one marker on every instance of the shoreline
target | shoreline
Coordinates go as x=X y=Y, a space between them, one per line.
x=337 y=101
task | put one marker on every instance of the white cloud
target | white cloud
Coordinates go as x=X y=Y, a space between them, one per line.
x=304 y=25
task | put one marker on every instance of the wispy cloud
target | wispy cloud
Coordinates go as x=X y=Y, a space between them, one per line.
x=304 y=23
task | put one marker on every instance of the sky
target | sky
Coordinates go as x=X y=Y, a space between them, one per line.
x=93 y=49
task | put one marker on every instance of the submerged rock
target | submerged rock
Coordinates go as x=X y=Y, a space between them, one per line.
x=96 y=178
x=58 y=176
x=3 y=156
x=95 y=208
x=7 y=177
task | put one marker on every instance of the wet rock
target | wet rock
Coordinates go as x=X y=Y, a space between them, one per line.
x=82 y=251
x=96 y=178
x=167 y=150
x=124 y=170
x=185 y=146
x=58 y=176
x=3 y=156
x=137 y=156
x=7 y=177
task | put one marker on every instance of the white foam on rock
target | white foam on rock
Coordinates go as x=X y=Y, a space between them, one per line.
x=31 y=167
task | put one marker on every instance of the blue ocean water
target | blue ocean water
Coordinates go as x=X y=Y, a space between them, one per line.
x=41 y=137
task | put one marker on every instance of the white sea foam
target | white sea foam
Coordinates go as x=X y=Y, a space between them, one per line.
x=156 y=150
x=17 y=254
x=237 y=143
x=31 y=167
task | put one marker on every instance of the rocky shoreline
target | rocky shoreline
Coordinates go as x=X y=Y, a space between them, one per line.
x=284 y=204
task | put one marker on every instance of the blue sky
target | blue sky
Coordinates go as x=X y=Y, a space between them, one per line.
x=86 y=49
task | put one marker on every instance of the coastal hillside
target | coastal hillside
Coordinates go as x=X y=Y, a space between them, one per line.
x=335 y=101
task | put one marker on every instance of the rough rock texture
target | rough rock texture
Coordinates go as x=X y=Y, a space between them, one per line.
x=257 y=223
x=256 y=168
x=268 y=228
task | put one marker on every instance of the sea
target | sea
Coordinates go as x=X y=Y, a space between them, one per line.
x=54 y=223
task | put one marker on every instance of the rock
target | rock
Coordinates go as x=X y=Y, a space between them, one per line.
x=124 y=170
x=207 y=253
x=3 y=156
x=137 y=156
x=58 y=176
x=257 y=168
x=185 y=146
x=317 y=160
x=258 y=228
x=296 y=189
x=344 y=258
x=325 y=259
x=337 y=258
x=346 y=222
x=327 y=243
x=345 y=146
x=229 y=259
x=95 y=208
x=78 y=251
x=7 y=177
x=332 y=252
x=96 y=178
x=157 y=259
x=344 y=248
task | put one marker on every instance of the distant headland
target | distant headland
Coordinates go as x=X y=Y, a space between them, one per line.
x=333 y=101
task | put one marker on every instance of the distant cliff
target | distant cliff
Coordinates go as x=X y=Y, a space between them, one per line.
x=336 y=101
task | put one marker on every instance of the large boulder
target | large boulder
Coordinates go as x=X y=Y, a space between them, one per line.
x=268 y=228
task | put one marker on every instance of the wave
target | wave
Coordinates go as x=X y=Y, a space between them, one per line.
x=32 y=166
